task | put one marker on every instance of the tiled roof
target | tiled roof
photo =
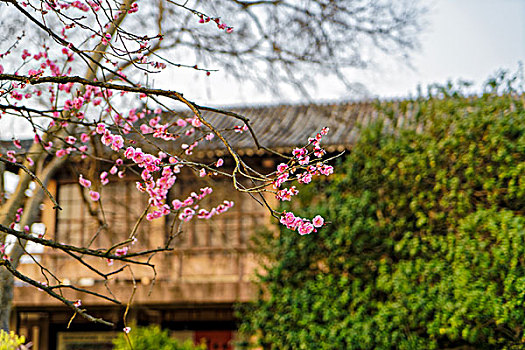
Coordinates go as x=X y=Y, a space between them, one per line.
x=284 y=126
x=281 y=127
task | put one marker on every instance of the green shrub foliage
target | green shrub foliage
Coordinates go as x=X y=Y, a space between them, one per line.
x=426 y=243
x=152 y=337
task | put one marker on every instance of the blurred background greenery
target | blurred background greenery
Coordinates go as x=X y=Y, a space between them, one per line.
x=152 y=337
x=425 y=246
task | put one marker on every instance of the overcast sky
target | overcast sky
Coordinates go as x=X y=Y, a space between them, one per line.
x=463 y=39
x=467 y=39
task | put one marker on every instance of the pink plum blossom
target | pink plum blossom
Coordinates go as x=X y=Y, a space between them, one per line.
x=306 y=228
x=101 y=128
x=281 y=168
x=17 y=144
x=95 y=196
x=318 y=221
x=84 y=182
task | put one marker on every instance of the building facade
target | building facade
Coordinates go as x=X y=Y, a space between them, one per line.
x=194 y=288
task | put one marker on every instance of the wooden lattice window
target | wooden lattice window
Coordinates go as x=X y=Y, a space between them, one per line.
x=120 y=206
x=230 y=229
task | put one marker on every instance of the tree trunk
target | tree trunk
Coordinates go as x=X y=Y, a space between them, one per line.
x=6 y=297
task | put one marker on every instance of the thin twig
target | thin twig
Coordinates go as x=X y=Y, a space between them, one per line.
x=35 y=178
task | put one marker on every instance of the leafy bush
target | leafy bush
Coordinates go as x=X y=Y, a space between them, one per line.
x=152 y=337
x=426 y=246
x=11 y=341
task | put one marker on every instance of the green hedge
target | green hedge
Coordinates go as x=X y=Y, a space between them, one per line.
x=152 y=337
x=426 y=245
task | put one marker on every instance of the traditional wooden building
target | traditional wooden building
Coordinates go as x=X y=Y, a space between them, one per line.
x=197 y=284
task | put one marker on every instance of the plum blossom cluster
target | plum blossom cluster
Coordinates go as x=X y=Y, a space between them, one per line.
x=220 y=25
x=240 y=128
x=121 y=251
x=92 y=94
x=161 y=130
x=95 y=196
x=42 y=62
x=66 y=5
x=18 y=217
x=188 y=213
x=157 y=189
x=304 y=165
x=301 y=167
x=221 y=208
x=70 y=146
x=2 y=252
x=192 y=198
x=286 y=193
x=301 y=225
x=158 y=177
